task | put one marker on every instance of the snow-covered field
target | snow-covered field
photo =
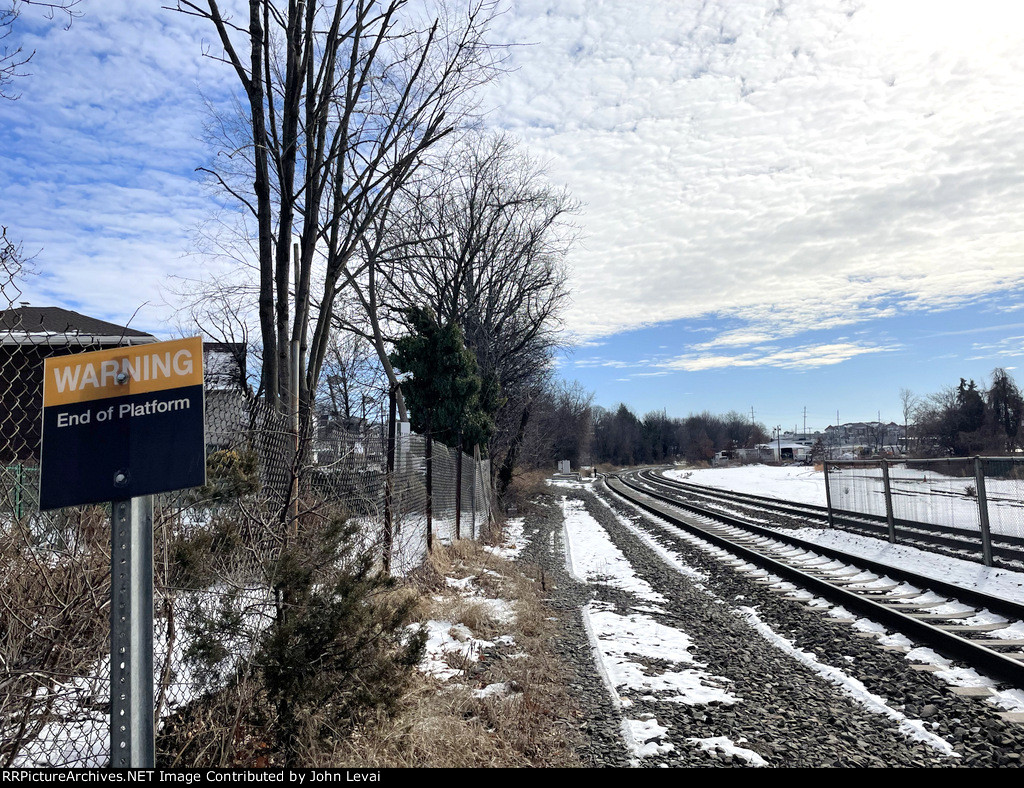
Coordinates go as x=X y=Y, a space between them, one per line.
x=792 y=483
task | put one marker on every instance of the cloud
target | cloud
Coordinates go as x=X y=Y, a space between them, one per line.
x=790 y=168
x=801 y=164
x=99 y=157
x=797 y=358
x=1008 y=347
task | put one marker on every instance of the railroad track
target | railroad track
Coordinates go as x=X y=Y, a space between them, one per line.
x=929 y=611
x=1007 y=551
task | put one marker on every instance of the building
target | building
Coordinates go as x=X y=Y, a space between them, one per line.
x=28 y=335
x=227 y=397
x=875 y=436
x=784 y=451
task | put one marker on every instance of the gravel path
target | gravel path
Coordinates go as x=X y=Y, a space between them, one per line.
x=808 y=691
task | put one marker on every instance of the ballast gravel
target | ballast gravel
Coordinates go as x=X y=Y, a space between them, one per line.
x=774 y=654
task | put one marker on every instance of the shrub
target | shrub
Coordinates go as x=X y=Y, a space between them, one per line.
x=341 y=645
x=230 y=473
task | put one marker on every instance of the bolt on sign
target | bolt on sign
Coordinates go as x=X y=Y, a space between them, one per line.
x=122 y=423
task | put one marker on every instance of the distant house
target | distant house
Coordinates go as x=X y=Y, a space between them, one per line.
x=28 y=335
x=783 y=451
x=224 y=366
x=227 y=396
x=870 y=434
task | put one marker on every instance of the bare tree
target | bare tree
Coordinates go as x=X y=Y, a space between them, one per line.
x=909 y=405
x=12 y=262
x=341 y=99
x=216 y=307
x=482 y=242
x=354 y=388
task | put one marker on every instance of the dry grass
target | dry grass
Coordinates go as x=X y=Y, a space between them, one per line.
x=524 y=488
x=443 y=724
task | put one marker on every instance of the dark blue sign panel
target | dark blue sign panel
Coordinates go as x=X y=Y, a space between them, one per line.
x=148 y=440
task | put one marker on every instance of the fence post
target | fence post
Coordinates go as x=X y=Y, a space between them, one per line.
x=389 y=484
x=19 y=487
x=828 y=497
x=889 y=519
x=472 y=490
x=458 y=488
x=293 y=407
x=986 y=534
x=429 y=443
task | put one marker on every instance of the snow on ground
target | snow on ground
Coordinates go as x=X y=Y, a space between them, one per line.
x=409 y=550
x=646 y=736
x=805 y=485
x=969 y=574
x=513 y=541
x=854 y=688
x=590 y=555
x=450 y=644
x=619 y=639
x=619 y=642
x=790 y=482
x=921 y=495
x=78 y=735
x=723 y=745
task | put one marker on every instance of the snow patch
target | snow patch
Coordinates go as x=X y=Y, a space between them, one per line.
x=725 y=745
x=592 y=557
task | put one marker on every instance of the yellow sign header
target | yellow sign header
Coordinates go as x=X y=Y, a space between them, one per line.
x=123 y=371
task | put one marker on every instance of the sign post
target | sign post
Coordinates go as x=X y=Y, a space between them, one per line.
x=131 y=635
x=121 y=425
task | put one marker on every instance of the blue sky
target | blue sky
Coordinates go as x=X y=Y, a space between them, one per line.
x=786 y=204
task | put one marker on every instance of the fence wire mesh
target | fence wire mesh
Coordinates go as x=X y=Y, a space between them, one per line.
x=219 y=553
x=943 y=493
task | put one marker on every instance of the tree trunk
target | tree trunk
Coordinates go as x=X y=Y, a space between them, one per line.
x=511 y=457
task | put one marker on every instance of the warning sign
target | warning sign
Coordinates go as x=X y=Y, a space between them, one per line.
x=122 y=423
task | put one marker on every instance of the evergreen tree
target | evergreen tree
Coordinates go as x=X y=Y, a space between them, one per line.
x=446 y=397
x=1006 y=406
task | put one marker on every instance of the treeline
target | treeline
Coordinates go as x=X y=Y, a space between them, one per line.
x=621 y=438
x=566 y=426
x=967 y=419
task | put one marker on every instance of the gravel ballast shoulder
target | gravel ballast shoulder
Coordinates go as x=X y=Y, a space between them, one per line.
x=787 y=713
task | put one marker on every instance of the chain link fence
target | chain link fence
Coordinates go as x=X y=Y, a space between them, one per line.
x=220 y=553
x=965 y=495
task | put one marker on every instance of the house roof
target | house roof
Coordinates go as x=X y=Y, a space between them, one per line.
x=16 y=325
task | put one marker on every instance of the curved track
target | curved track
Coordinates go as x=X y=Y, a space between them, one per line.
x=927 y=610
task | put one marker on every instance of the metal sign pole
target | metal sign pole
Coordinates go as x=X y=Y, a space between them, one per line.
x=131 y=634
